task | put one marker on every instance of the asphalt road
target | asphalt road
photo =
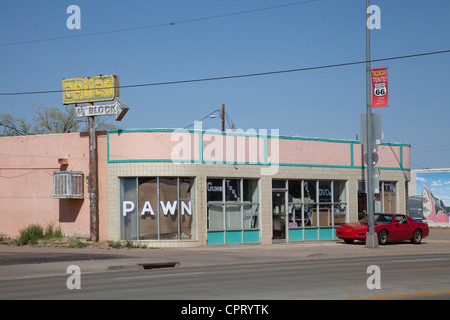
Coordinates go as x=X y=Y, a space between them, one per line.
x=421 y=276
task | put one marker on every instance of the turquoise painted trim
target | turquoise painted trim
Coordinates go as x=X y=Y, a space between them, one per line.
x=153 y=130
x=265 y=150
x=251 y=236
x=249 y=163
x=352 y=162
x=295 y=235
x=233 y=237
x=154 y=160
x=316 y=139
x=395 y=144
x=234 y=162
x=216 y=237
x=200 y=146
x=401 y=156
x=311 y=234
x=201 y=159
x=326 y=233
x=237 y=134
x=334 y=166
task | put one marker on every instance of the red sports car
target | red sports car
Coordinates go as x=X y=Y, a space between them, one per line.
x=388 y=226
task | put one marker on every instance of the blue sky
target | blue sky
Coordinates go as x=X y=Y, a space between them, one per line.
x=324 y=103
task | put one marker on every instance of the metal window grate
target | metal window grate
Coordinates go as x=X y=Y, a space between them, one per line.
x=68 y=185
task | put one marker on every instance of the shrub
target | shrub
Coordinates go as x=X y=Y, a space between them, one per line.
x=115 y=244
x=4 y=239
x=51 y=232
x=30 y=235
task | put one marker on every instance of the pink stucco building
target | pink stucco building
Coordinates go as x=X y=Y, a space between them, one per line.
x=172 y=187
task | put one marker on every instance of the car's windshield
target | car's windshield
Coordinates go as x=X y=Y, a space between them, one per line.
x=380 y=218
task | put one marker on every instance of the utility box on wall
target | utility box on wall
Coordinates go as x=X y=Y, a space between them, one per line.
x=68 y=185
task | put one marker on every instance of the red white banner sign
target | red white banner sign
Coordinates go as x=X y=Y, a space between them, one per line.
x=379 y=88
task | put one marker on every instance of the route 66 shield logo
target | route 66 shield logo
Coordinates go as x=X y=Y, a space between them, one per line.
x=380 y=89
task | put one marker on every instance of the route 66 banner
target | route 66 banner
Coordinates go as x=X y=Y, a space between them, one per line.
x=379 y=87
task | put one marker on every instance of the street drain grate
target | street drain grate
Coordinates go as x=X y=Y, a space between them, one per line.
x=158 y=265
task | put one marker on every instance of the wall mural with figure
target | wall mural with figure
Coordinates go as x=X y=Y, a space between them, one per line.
x=432 y=195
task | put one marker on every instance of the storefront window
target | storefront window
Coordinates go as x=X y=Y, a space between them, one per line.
x=324 y=215
x=233 y=216
x=295 y=204
x=295 y=190
x=214 y=188
x=148 y=196
x=215 y=217
x=385 y=200
x=325 y=191
x=128 y=221
x=339 y=202
x=309 y=191
x=389 y=203
x=250 y=191
x=316 y=203
x=157 y=208
x=233 y=204
x=186 y=196
x=339 y=194
x=340 y=213
x=250 y=216
x=232 y=190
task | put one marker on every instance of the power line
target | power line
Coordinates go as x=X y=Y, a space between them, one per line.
x=239 y=75
x=157 y=25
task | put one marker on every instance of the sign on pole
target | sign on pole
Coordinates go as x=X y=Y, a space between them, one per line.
x=94 y=89
x=118 y=109
x=379 y=87
x=377 y=130
x=90 y=89
x=121 y=108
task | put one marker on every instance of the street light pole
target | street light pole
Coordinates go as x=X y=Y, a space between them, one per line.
x=371 y=236
x=93 y=180
x=223 y=118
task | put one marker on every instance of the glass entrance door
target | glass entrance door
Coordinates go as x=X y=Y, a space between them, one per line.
x=279 y=214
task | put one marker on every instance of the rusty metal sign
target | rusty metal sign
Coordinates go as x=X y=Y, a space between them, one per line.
x=90 y=89
x=118 y=109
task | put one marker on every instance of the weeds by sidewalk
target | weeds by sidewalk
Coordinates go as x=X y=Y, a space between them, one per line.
x=36 y=235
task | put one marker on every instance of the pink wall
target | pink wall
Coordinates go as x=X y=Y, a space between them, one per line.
x=390 y=156
x=315 y=152
x=219 y=148
x=153 y=145
x=26 y=183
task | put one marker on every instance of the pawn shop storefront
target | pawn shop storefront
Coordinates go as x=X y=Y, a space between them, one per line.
x=170 y=187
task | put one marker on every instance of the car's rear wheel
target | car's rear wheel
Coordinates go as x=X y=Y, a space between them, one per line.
x=382 y=237
x=417 y=236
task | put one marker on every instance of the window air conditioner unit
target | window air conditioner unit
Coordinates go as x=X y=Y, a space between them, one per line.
x=68 y=185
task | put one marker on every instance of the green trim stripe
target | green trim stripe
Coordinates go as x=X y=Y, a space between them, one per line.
x=201 y=159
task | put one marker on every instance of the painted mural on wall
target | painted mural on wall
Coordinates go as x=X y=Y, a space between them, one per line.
x=431 y=203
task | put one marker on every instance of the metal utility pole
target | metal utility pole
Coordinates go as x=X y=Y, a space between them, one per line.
x=93 y=189
x=223 y=118
x=371 y=236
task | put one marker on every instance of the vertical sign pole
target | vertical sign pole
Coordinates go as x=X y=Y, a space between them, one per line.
x=371 y=236
x=223 y=118
x=93 y=190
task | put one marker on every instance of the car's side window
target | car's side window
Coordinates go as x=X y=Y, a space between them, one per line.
x=401 y=219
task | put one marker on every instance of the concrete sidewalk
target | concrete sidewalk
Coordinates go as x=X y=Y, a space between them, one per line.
x=25 y=262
